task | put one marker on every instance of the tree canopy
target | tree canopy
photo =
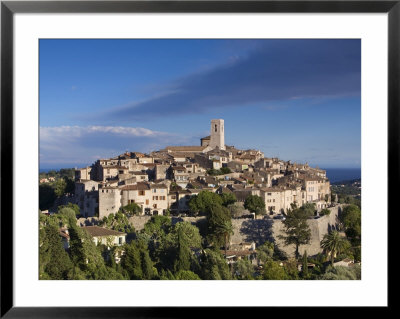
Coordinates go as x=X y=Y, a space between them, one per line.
x=255 y=204
x=333 y=243
x=204 y=201
x=297 y=230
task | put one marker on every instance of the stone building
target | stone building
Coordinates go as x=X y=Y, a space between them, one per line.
x=217 y=139
x=145 y=179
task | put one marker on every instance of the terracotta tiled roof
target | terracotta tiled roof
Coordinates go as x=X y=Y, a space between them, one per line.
x=157 y=186
x=138 y=186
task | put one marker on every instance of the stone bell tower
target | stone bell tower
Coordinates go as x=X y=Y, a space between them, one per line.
x=217 y=134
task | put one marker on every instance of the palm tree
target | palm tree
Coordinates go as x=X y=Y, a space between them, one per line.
x=225 y=229
x=333 y=243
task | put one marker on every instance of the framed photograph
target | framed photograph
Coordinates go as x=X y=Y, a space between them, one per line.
x=164 y=155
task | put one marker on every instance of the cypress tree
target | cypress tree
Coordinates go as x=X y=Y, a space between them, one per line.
x=54 y=260
x=305 y=266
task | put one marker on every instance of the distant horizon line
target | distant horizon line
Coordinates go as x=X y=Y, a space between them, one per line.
x=79 y=166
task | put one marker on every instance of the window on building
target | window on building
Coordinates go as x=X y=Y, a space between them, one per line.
x=141 y=193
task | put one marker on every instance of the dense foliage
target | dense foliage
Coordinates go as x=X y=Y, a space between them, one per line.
x=255 y=204
x=168 y=250
x=59 y=183
x=296 y=227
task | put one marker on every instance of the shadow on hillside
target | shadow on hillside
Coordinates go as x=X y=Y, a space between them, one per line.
x=257 y=230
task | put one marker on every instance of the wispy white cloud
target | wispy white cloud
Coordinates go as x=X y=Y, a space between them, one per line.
x=85 y=144
x=77 y=131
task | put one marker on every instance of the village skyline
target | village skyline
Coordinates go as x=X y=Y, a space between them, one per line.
x=298 y=100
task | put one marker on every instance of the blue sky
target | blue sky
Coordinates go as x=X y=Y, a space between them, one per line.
x=299 y=100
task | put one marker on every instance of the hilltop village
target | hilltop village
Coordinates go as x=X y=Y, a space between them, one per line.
x=210 y=211
x=164 y=181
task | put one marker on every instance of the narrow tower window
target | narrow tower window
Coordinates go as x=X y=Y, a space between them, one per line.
x=215 y=127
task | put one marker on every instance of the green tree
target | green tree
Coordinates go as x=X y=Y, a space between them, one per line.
x=204 y=201
x=225 y=230
x=186 y=275
x=325 y=212
x=244 y=270
x=186 y=232
x=72 y=206
x=131 y=209
x=308 y=210
x=219 y=225
x=225 y=170
x=175 y=250
x=342 y=273
x=69 y=185
x=254 y=204
x=157 y=227
x=87 y=257
x=334 y=244
x=236 y=210
x=273 y=271
x=183 y=256
x=148 y=269
x=67 y=172
x=47 y=196
x=118 y=222
x=291 y=269
x=297 y=230
x=59 y=187
x=304 y=271
x=228 y=199
x=351 y=219
x=54 y=262
x=131 y=261
x=265 y=252
x=214 y=266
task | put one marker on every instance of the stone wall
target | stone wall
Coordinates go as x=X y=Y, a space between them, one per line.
x=138 y=221
x=261 y=230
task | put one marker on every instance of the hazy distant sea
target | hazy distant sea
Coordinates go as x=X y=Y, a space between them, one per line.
x=342 y=174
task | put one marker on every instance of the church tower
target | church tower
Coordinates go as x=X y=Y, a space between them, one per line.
x=217 y=134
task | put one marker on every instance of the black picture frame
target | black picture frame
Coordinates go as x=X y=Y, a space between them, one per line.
x=9 y=8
